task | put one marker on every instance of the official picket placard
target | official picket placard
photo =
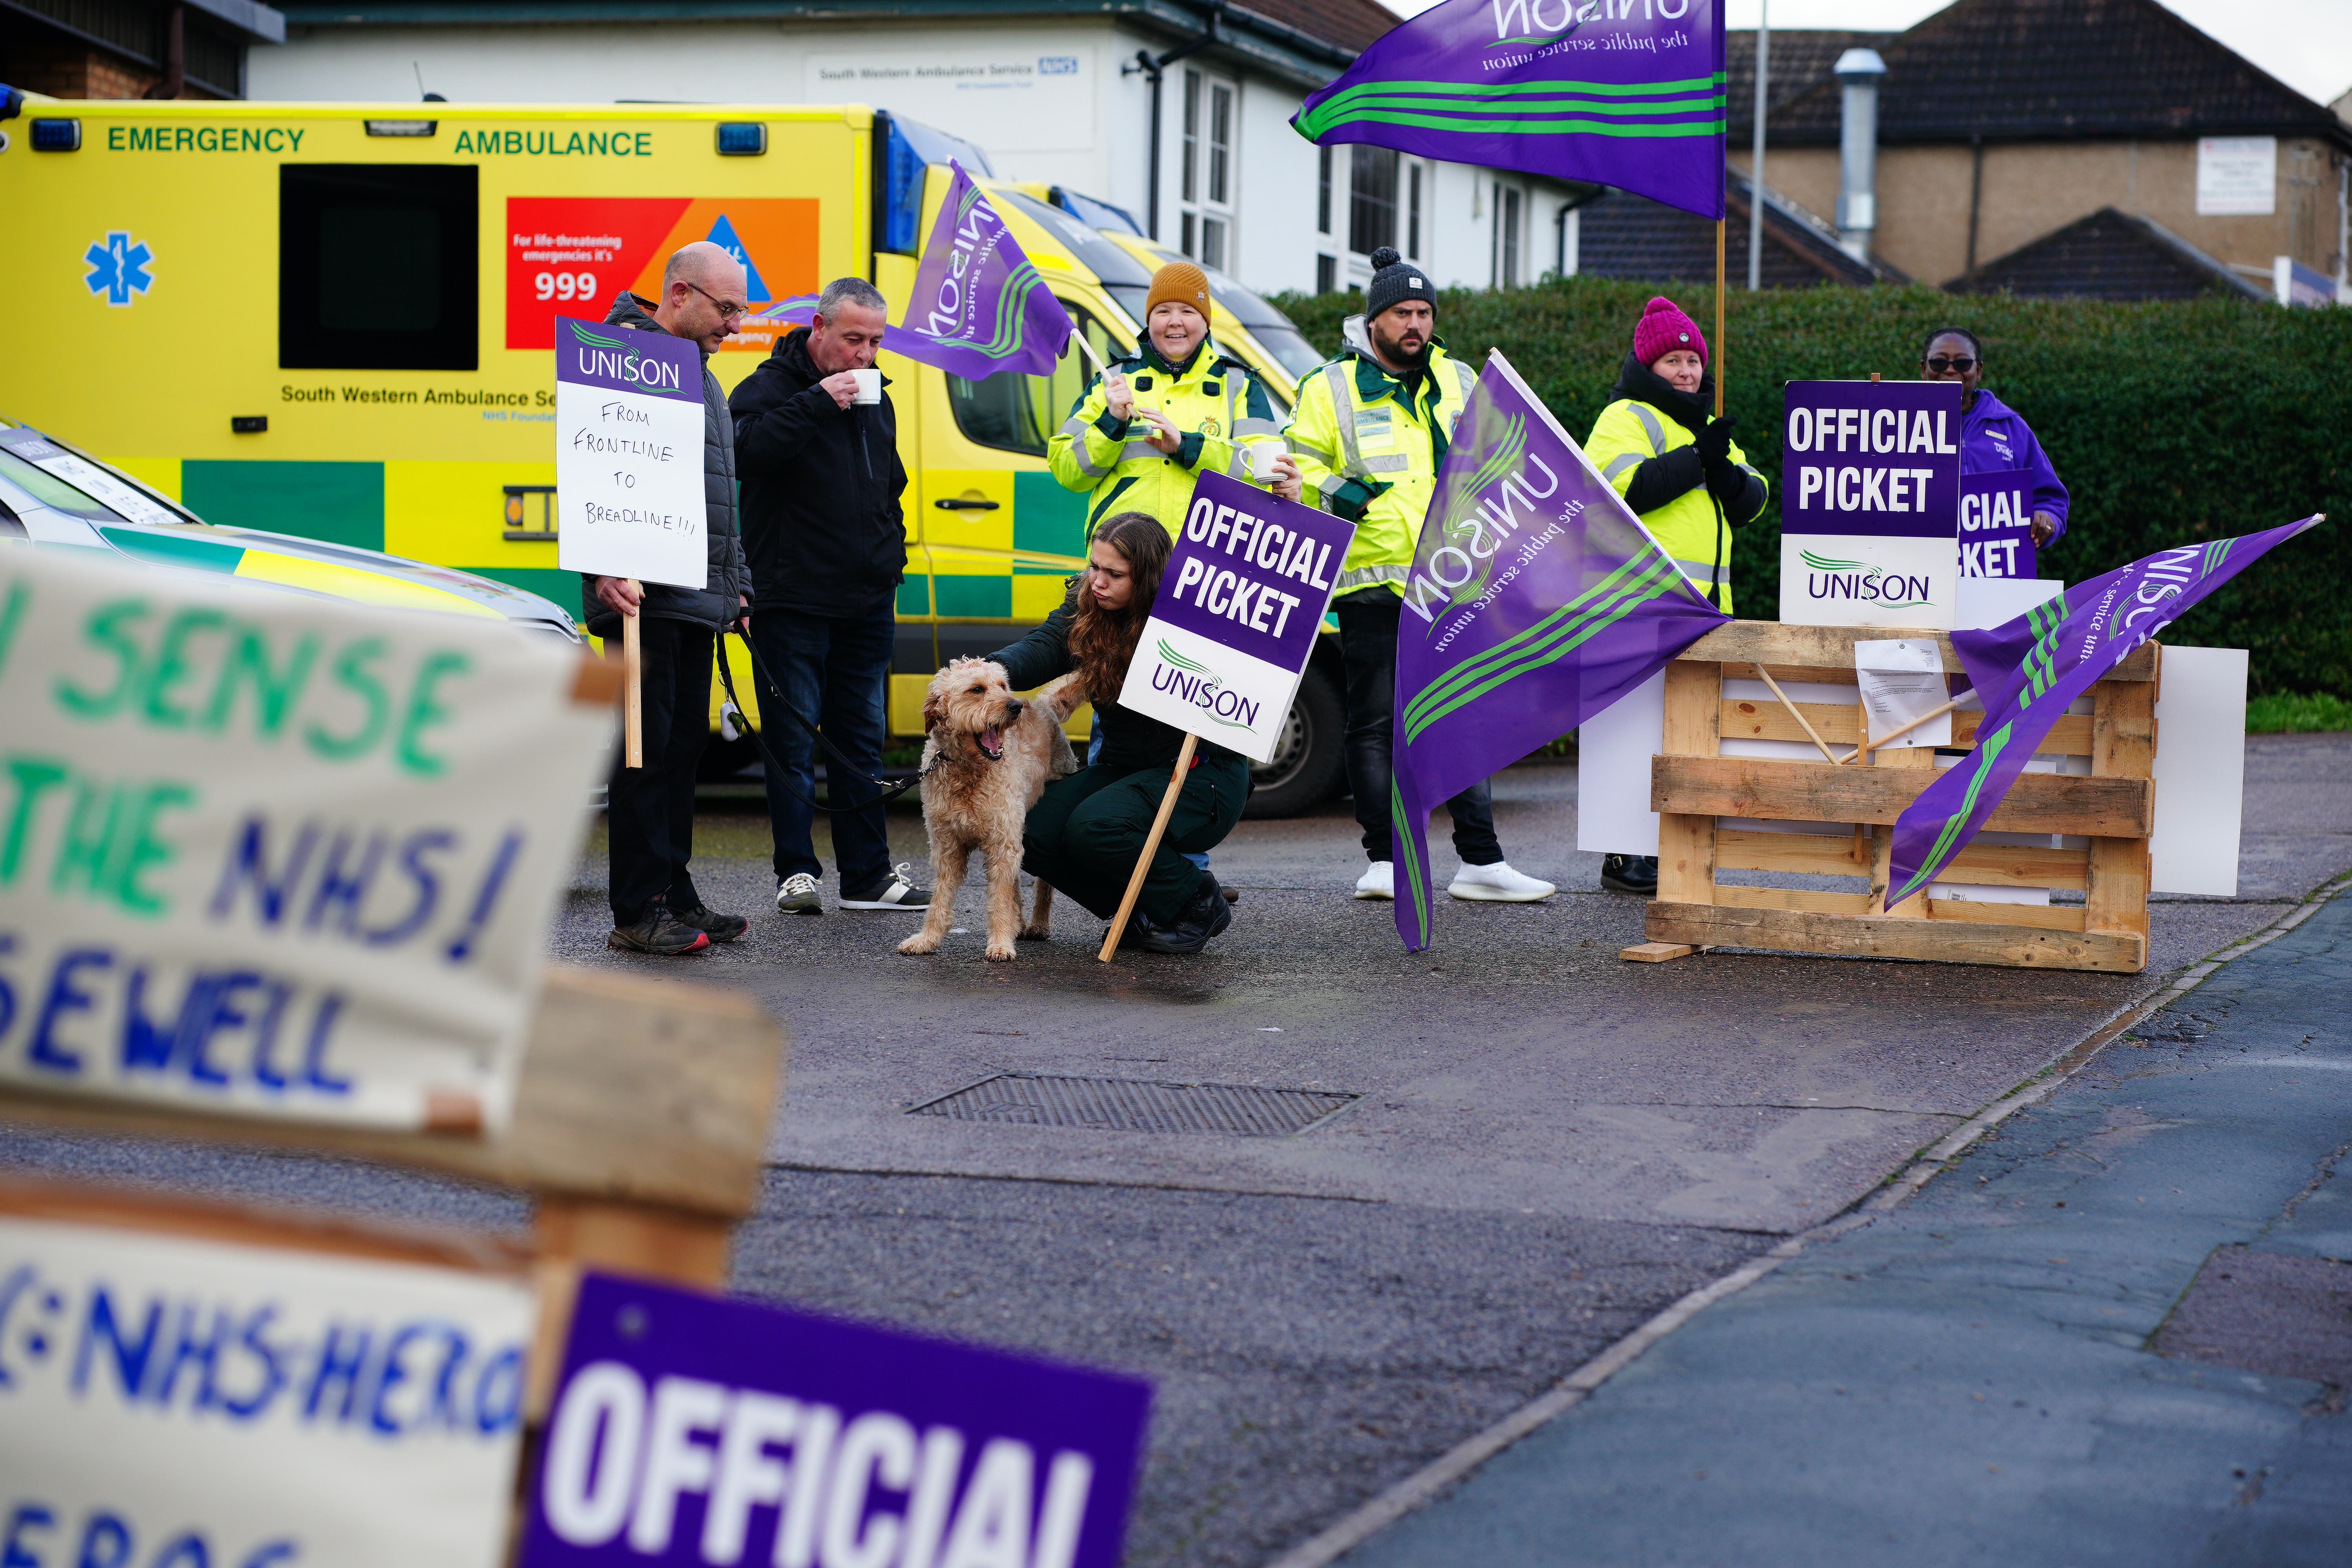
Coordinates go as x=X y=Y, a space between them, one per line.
x=629 y=495
x=689 y=1429
x=175 y=1401
x=1870 y=495
x=1241 y=600
x=276 y=855
x=1996 y=525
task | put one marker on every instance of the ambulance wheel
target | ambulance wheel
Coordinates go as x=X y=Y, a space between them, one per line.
x=1306 y=767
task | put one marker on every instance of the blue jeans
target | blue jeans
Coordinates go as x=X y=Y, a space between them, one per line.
x=1094 y=755
x=834 y=672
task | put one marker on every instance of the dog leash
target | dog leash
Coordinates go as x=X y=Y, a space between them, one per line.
x=887 y=792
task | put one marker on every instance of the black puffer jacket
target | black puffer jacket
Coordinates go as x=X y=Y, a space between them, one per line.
x=821 y=486
x=714 y=605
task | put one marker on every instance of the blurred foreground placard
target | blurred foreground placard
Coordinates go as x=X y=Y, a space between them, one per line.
x=273 y=854
x=164 y=1401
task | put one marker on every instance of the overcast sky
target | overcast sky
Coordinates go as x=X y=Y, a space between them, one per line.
x=2307 y=44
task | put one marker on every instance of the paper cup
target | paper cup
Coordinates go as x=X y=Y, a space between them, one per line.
x=869 y=387
x=1263 y=457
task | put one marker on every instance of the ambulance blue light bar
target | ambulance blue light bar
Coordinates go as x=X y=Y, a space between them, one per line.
x=742 y=139
x=57 y=135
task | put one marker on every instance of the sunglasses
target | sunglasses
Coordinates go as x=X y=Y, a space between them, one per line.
x=1941 y=365
x=727 y=310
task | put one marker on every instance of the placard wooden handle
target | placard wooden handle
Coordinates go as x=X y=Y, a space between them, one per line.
x=633 y=696
x=1151 y=847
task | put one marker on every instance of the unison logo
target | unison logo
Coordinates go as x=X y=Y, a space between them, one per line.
x=1857 y=582
x=612 y=358
x=1196 y=684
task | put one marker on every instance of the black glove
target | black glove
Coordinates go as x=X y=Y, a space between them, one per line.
x=1714 y=442
x=1726 y=481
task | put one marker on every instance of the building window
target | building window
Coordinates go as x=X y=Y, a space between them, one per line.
x=1505 y=264
x=1323 y=195
x=1372 y=199
x=1412 y=212
x=1327 y=274
x=1208 y=170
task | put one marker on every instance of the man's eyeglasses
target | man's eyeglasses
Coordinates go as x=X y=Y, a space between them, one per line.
x=727 y=310
x=1942 y=365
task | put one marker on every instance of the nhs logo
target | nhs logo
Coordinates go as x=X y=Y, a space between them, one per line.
x=1057 y=65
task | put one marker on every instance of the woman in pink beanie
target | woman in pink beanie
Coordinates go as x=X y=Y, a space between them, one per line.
x=1680 y=472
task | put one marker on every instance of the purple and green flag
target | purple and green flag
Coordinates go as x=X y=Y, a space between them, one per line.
x=1537 y=599
x=2028 y=672
x=1620 y=94
x=977 y=305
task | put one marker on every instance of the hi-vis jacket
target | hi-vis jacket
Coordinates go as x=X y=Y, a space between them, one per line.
x=1628 y=433
x=1216 y=403
x=1369 y=455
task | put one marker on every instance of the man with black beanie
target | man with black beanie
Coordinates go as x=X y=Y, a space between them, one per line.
x=1370 y=432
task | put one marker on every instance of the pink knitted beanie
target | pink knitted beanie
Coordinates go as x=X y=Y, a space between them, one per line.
x=1663 y=329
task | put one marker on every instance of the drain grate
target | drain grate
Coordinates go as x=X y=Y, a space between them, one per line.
x=1135 y=1105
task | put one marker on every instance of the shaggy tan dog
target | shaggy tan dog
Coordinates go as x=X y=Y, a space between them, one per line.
x=989 y=756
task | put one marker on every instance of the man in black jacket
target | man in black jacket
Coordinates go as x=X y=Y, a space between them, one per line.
x=827 y=545
x=651 y=809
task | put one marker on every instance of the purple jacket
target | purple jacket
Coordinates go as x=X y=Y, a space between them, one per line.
x=1995 y=439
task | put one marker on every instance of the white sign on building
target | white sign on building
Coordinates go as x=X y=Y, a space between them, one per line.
x=2236 y=176
x=1023 y=95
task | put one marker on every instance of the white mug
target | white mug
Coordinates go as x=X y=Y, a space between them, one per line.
x=1263 y=455
x=869 y=387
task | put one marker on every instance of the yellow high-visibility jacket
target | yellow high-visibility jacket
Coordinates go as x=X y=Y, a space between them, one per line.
x=1370 y=456
x=1216 y=403
x=1628 y=433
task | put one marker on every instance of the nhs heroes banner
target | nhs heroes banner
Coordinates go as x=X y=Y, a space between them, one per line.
x=166 y=1402
x=628 y=455
x=272 y=853
x=1996 y=525
x=1240 y=602
x=688 y=1429
x=1870 y=496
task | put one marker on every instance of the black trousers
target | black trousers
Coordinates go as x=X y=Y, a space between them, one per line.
x=651 y=809
x=1368 y=639
x=1086 y=831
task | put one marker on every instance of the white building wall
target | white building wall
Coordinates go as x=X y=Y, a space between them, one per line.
x=1045 y=97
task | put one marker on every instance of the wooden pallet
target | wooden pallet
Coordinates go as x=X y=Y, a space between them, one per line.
x=1692 y=786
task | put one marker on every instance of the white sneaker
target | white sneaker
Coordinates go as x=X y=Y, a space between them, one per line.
x=796 y=895
x=1497 y=884
x=1378 y=880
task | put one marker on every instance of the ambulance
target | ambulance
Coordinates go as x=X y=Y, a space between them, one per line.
x=337 y=322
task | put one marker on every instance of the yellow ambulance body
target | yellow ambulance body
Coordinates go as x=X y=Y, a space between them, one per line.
x=336 y=321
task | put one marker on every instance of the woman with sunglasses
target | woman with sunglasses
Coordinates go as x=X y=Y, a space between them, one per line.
x=1994 y=438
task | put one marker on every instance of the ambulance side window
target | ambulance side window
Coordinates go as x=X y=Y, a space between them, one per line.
x=1021 y=412
x=376 y=267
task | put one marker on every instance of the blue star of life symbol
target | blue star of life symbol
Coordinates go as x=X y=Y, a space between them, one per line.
x=118 y=267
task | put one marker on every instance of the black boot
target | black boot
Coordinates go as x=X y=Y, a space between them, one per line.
x=1635 y=874
x=1203 y=917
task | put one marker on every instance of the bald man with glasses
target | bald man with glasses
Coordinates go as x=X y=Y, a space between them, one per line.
x=656 y=907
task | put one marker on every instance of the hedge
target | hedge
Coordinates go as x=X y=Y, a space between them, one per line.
x=2169 y=421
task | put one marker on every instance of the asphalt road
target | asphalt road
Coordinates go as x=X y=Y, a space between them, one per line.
x=1546 y=1145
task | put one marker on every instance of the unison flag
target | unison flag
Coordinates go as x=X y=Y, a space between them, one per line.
x=2030 y=670
x=977 y=305
x=1537 y=599
x=1622 y=92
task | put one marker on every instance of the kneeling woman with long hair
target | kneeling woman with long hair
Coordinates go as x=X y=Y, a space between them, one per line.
x=1084 y=833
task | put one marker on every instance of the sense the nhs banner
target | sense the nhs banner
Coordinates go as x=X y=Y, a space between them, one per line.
x=1870 y=501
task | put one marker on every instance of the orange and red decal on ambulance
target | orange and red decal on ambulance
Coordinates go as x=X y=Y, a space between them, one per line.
x=567 y=253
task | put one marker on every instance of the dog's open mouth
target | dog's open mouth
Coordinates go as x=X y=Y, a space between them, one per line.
x=992 y=743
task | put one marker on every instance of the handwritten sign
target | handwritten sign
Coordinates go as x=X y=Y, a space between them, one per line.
x=172 y=1401
x=1241 y=600
x=272 y=853
x=628 y=455
x=688 y=1429
x=1870 y=488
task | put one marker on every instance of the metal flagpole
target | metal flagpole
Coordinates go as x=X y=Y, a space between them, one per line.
x=1718 y=319
x=1756 y=157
